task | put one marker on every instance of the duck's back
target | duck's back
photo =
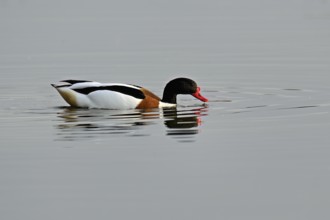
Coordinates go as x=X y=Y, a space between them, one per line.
x=100 y=95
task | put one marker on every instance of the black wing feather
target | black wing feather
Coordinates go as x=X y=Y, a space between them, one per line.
x=73 y=81
x=116 y=88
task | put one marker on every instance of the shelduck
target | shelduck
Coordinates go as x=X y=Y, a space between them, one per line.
x=89 y=94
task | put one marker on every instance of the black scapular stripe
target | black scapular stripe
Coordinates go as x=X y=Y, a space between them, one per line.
x=122 y=89
x=73 y=81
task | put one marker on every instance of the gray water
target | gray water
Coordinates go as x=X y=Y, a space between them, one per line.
x=258 y=150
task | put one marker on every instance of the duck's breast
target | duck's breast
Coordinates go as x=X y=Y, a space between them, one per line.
x=150 y=100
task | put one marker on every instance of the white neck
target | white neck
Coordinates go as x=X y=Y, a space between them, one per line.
x=166 y=105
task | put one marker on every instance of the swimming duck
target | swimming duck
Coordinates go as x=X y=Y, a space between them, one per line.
x=89 y=94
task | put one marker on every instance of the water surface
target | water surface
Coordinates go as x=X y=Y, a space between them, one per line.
x=259 y=149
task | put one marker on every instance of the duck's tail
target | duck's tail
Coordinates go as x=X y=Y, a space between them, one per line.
x=66 y=83
x=59 y=85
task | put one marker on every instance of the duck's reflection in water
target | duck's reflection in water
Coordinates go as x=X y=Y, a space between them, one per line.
x=78 y=124
x=183 y=124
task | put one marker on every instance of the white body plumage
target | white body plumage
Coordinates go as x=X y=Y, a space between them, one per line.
x=102 y=98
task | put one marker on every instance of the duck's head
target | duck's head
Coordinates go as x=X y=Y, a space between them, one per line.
x=182 y=86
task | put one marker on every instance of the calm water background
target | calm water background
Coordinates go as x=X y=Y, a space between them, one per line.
x=258 y=150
